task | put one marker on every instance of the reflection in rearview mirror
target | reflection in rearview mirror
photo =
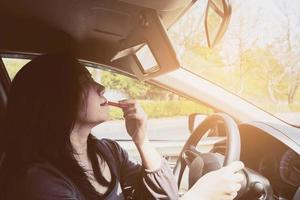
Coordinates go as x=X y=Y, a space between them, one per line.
x=146 y=59
x=217 y=18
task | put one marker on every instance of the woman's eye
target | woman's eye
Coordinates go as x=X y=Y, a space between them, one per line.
x=99 y=88
x=101 y=91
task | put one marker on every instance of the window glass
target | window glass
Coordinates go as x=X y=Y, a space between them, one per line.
x=167 y=112
x=13 y=65
x=258 y=58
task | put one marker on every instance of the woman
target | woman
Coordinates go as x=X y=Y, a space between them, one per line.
x=50 y=154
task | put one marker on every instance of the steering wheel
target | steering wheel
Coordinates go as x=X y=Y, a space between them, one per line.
x=202 y=163
x=230 y=146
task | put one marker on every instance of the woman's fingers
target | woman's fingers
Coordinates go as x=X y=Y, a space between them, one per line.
x=133 y=111
x=230 y=196
x=131 y=116
x=234 y=167
x=233 y=179
x=132 y=106
x=129 y=110
x=222 y=184
x=237 y=177
x=135 y=120
x=233 y=188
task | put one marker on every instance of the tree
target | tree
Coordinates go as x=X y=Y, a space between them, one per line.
x=263 y=74
x=134 y=88
x=287 y=48
x=238 y=40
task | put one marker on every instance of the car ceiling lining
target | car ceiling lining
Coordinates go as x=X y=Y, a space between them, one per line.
x=92 y=30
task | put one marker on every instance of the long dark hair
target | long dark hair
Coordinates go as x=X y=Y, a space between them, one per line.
x=43 y=104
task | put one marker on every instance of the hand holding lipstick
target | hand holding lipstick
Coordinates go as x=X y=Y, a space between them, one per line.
x=136 y=125
x=135 y=120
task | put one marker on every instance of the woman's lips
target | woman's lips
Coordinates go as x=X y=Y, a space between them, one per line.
x=104 y=103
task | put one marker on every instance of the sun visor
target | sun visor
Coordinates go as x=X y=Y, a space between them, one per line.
x=149 y=47
x=160 y=5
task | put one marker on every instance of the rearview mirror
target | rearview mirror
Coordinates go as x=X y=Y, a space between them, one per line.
x=195 y=119
x=217 y=17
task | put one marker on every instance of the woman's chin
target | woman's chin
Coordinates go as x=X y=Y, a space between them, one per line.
x=103 y=119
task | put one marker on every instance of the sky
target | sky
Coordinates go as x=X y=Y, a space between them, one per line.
x=264 y=21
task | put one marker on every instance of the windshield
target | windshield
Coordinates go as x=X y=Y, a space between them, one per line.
x=258 y=57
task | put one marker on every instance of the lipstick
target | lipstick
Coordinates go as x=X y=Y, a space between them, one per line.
x=119 y=105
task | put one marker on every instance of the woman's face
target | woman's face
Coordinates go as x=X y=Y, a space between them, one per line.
x=94 y=109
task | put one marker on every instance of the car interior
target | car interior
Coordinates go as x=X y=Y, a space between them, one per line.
x=114 y=35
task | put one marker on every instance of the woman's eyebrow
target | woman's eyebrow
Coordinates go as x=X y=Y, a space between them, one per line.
x=102 y=87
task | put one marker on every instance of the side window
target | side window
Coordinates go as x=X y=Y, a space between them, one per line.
x=167 y=112
x=13 y=65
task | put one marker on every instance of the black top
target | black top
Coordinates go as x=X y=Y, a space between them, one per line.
x=42 y=181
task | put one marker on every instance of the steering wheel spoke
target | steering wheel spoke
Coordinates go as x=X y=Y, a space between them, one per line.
x=190 y=154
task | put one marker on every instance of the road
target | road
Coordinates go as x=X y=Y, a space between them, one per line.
x=158 y=129
x=166 y=129
x=169 y=135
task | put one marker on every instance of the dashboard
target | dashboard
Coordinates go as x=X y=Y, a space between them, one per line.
x=271 y=157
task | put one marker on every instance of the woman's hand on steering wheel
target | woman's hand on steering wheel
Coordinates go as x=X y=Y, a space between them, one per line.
x=222 y=184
